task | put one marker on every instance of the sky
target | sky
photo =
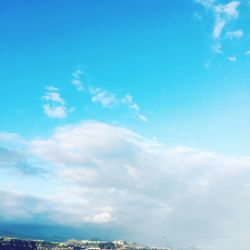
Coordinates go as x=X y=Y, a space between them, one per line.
x=127 y=119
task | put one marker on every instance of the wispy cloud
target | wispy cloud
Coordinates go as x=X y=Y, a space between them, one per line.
x=237 y=34
x=223 y=14
x=56 y=107
x=232 y=58
x=217 y=48
x=76 y=81
x=128 y=100
x=134 y=107
x=109 y=99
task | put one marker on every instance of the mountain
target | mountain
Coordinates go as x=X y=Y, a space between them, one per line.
x=7 y=243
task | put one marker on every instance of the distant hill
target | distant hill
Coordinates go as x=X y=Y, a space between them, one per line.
x=7 y=243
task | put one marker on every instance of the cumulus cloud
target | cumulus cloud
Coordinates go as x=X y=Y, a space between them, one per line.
x=105 y=98
x=104 y=174
x=55 y=112
x=181 y=187
x=55 y=106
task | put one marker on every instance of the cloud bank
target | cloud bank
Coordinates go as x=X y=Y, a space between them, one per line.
x=102 y=174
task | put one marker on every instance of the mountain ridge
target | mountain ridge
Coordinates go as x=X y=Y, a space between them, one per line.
x=9 y=243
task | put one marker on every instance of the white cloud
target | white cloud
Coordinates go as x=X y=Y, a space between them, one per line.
x=105 y=98
x=99 y=218
x=55 y=112
x=234 y=34
x=230 y=9
x=219 y=25
x=10 y=137
x=128 y=100
x=232 y=58
x=76 y=81
x=55 y=106
x=54 y=97
x=108 y=99
x=104 y=174
x=247 y=53
x=223 y=14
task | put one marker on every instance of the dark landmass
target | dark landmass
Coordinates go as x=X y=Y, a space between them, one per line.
x=7 y=243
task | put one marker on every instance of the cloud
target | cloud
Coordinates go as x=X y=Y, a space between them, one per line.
x=11 y=137
x=109 y=175
x=229 y=9
x=54 y=97
x=247 y=53
x=218 y=28
x=17 y=206
x=16 y=161
x=128 y=100
x=234 y=34
x=76 y=81
x=217 y=49
x=143 y=118
x=232 y=58
x=108 y=99
x=134 y=107
x=55 y=112
x=105 y=98
x=99 y=218
x=55 y=106
x=223 y=14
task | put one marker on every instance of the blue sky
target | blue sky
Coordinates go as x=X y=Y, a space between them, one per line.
x=137 y=86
